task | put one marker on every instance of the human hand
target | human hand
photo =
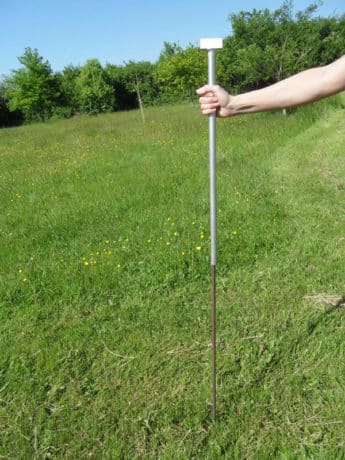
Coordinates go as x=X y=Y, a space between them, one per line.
x=214 y=99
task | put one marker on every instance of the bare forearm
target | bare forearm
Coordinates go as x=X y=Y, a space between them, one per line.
x=303 y=88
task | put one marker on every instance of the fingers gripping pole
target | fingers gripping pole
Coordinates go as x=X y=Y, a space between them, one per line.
x=211 y=44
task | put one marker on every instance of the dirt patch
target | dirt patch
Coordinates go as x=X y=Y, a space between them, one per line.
x=329 y=299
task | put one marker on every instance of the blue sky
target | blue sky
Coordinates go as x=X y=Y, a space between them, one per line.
x=72 y=31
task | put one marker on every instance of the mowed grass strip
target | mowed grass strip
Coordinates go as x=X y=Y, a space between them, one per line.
x=104 y=307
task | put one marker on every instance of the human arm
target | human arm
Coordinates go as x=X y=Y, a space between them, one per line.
x=302 y=88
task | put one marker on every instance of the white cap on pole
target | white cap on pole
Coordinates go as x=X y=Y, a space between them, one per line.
x=211 y=43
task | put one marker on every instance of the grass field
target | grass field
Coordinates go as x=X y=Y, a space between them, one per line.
x=105 y=297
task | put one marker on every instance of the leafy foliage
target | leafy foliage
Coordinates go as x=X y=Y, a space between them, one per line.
x=268 y=46
x=95 y=95
x=33 y=89
x=181 y=71
x=116 y=78
x=8 y=118
x=68 y=86
x=139 y=75
x=264 y=47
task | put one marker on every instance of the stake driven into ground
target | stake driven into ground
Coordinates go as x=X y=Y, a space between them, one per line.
x=104 y=307
x=211 y=44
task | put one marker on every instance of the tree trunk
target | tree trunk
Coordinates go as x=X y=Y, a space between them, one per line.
x=280 y=70
x=191 y=94
x=140 y=101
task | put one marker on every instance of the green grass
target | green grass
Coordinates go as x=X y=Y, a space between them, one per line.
x=105 y=287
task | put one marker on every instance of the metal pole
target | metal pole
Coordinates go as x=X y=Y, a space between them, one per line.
x=213 y=228
x=211 y=45
x=212 y=155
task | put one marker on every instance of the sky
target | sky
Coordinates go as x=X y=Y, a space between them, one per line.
x=117 y=31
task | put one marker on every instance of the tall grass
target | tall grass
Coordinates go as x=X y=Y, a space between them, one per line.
x=104 y=306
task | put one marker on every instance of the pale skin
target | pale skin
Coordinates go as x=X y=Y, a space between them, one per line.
x=303 y=88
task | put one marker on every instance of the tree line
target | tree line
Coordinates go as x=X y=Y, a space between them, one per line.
x=264 y=47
